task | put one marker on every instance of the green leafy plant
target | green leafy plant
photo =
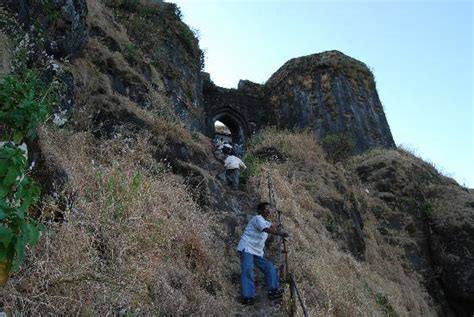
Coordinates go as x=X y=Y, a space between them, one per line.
x=17 y=193
x=25 y=102
x=253 y=164
x=338 y=146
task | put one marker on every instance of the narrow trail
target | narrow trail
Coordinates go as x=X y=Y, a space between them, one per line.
x=245 y=207
x=237 y=208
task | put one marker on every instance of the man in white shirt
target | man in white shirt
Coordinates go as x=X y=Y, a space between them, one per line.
x=232 y=166
x=250 y=248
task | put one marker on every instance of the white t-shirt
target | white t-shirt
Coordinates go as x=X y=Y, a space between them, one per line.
x=232 y=162
x=253 y=239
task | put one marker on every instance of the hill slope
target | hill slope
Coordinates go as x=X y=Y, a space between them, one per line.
x=139 y=221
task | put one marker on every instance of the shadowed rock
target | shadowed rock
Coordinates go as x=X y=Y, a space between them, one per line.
x=64 y=22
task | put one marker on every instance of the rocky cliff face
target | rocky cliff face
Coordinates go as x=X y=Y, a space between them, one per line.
x=431 y=218
x=174 y=60
x=142 y=52
x=63 y=22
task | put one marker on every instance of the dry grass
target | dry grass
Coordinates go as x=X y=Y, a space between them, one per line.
x=333 y=282
x=136 y=241
x=301 y=146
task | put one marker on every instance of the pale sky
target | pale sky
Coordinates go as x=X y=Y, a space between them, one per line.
x=420 y=53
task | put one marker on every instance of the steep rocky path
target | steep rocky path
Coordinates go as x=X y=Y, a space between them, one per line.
x=242 y=204
x=237 y=208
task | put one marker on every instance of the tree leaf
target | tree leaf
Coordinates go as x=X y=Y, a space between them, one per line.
x=31 y=233
x=4 y=254
x=3 y=167
x=19 y=253
x=11 y=176
x=20 y=212
x=18 y=137
x=3 y=191
x=6 y=235
x=3 y=214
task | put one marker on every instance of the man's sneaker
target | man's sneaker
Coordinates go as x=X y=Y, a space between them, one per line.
x=248 y=301
x=276 y=293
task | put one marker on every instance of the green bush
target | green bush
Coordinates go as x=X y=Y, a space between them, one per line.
x=17 y=193
x=338 y=146
x=25 y=102
x=253 y=164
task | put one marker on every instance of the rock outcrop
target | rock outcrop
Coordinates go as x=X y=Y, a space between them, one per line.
x=431 y=219
x=452 y=247
x=63 y=22
x=174 y=59
x=4 y=54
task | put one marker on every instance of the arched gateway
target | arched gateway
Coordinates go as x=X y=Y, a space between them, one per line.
x=237 y=125
x=243 y=114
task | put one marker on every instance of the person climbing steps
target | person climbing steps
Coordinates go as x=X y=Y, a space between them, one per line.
x=232 y=166
x=251 y=252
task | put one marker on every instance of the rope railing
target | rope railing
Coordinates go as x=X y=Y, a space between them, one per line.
x=284 y=270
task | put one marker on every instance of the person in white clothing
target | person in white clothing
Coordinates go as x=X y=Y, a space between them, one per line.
x=251 y=247
x=232 y=166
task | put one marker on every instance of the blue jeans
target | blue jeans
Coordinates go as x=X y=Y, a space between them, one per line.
x=247 y=280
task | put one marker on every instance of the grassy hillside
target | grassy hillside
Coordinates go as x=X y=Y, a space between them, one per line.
x=138 y=221
x=126 y=233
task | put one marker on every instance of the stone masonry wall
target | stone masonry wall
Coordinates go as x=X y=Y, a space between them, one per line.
x=329 y=93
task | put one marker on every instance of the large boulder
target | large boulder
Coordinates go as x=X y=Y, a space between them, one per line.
x=63 y=22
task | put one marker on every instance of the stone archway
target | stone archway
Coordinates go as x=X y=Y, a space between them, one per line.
x=235 y=122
